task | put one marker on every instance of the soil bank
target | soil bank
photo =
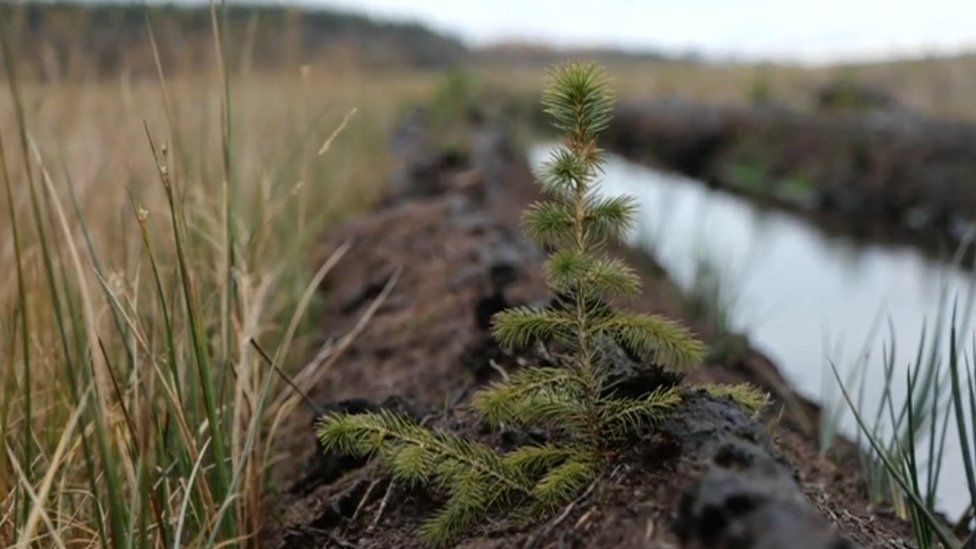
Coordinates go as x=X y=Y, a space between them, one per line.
x=448 y=238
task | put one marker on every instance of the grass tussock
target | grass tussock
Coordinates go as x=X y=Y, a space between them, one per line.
x=158 y=229
x=906 y=438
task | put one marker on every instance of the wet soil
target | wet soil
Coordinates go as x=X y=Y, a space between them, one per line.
x=880 y=174
x=427 y=269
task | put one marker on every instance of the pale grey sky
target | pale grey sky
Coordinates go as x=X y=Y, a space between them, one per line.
x=813 y=31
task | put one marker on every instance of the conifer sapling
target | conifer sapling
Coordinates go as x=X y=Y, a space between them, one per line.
x=575 y=399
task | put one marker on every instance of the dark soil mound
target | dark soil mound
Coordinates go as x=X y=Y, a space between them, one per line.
x=710 y=476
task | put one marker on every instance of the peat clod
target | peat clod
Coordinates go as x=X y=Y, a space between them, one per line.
x=704 y=424
x=743 y=508
x=749 y=495
x=631 y=378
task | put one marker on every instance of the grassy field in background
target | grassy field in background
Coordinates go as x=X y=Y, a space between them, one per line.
x=939 y=87
x=151 y=232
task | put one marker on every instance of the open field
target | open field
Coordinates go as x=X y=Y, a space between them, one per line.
x=940 y=87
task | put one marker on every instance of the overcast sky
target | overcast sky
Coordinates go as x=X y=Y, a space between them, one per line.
x=814 y=31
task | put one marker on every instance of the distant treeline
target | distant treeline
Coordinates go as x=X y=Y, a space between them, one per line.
x=54 y=40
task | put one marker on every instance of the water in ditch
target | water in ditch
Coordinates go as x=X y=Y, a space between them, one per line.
x=802 y=296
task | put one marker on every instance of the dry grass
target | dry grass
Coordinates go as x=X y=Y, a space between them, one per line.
x=941 y=87
x=153 y=243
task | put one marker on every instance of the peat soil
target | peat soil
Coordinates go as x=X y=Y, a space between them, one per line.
x=878 y=174
x=425 y=272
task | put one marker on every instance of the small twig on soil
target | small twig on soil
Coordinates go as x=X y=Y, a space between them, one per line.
x=379 y=512
x=462 y=394
x=562 y=516
x=362 y=502
x=308 y=401
x=335 y=539
x=583 y=519
x=495 y=366
x=649 y=529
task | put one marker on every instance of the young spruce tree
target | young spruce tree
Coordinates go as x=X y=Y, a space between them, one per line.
x=575 y=400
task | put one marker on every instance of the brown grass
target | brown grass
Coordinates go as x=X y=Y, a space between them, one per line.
x=941 y=87
x=145 y=272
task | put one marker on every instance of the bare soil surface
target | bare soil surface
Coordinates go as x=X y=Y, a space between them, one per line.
x=424 y=274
